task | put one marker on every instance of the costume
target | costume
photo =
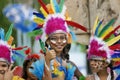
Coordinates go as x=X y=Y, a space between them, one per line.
x=7 y=52
x=33 y=63
x=102 y=43
x=116 y=58
x=54 y=19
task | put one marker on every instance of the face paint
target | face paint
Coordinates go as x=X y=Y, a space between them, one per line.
x=96 y=65
x=58 y=38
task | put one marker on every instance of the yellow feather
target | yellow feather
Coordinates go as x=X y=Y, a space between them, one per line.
x=44 y=12
x=95 y=25
x=39 y=20
x=116 y=59
x=107 y=31
x=112 y=41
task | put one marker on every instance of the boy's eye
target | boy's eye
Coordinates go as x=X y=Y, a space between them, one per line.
x=4 y=65
x=31 y=67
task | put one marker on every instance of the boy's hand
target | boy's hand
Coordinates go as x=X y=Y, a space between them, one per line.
x=9 y=73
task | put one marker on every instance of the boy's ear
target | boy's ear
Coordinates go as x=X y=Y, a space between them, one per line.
x=106 y=64
x=47 y=41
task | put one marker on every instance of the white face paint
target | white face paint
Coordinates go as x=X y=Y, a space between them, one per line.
x=54 y=42
x=58 y=38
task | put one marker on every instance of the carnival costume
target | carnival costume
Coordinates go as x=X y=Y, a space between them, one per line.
x=102 y=43
x=54 y=19
x=7 y=52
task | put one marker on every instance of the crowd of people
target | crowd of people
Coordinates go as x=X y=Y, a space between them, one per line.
x=52 y=63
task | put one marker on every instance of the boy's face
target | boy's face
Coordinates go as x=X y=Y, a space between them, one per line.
x=3 y=67
x=97 y=65
x=30 y=75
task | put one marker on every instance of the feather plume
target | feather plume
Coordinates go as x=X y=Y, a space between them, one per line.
x=61 y=5
x=106 y=27
x=97 y=28
x=27 y=51
x=56 y=6
x=43 y=6
x=9 y=32
x=38 y=68
x=107 y=32
x=95 y=25
x=114 y=47
x=5 y=51
x=35 y=33
x=39 y=15
x=2 y=34
x=19 y=48
x=114 y=40
x=70 y=71
x=74 y=24
x=107 y=36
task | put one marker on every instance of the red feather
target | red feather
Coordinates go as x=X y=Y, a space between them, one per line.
x=19 y=48
x=28 y=51
x=33 y=56
x=76 y=25
x=107 y=36
x=114 y=47
x=43 y=5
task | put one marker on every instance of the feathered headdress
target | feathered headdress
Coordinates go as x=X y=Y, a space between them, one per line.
x=53 y=18
x=6 y=50
x=102 y=41
x=38 y=64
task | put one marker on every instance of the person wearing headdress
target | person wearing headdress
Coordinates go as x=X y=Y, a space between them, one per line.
x=6 y=56
x=102 y=42
x=34 y=67
x=54 y=22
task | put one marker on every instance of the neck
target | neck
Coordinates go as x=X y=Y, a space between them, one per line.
x=103 y=73
x=58 y=54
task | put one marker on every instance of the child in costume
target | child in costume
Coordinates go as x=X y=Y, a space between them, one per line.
x=53 y=22
x=100 y=50
x=7 y=56
x=33 y=67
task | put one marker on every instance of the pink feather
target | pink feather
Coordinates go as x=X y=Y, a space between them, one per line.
x=5 y=53
x=55 y=24
x=95 y=50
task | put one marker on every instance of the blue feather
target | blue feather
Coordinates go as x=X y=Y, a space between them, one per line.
x=70 y=72
x=56 y=6
x=2 y=34
x=38 y=68
x=96 y=31
x=116 y=55
x=17 y=53
x=74 y=38
x=39 y=15
x=116 y=67
x=118 y=77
